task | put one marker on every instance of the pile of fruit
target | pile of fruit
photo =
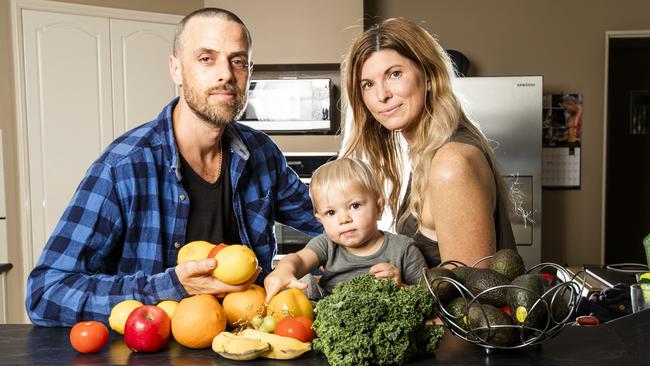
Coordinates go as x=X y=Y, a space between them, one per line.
x=240 y=327
x=502 y=306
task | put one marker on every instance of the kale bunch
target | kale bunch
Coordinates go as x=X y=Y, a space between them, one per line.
x=368 y=321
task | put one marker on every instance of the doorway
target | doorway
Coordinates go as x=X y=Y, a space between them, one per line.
x=627 y=147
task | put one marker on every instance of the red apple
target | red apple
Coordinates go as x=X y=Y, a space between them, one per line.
x=147 y=329
x=216 y=249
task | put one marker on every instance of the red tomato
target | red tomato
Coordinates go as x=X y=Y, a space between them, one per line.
x=305 y=321
x=297 y=328
x=88 y=337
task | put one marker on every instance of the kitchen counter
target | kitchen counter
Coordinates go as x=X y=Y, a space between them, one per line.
x=621 y=342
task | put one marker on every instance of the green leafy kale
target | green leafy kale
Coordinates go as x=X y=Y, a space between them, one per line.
x=368 y=321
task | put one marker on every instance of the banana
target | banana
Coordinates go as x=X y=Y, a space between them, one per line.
x=235 y=347
x=282 y=348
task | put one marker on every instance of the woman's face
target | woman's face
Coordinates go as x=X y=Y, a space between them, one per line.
x=393 y=90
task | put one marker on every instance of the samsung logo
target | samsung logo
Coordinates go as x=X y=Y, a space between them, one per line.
x=525 y=84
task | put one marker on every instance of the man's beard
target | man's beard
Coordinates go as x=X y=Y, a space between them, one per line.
x=220 y=114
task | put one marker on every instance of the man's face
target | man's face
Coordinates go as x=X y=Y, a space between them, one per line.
x=214 y=69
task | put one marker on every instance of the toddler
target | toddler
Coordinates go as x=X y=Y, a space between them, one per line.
x=348 y=201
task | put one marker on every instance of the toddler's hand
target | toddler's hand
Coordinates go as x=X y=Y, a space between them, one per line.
x=386 y=271
x=278 y=280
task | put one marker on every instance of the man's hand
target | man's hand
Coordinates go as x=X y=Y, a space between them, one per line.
x=386 y=271
x=196 y=278
x=278 y=280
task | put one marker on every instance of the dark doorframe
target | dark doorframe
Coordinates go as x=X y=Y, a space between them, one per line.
x=626 y=147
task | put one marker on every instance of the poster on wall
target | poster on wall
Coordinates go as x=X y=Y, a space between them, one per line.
x=562 y=136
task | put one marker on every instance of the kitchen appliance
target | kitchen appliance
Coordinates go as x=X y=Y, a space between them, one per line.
x=290 y=106
x=303 y=163
x=509 y=111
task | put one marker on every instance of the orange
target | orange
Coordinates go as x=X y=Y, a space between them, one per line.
x=194 y=251
x=290 y=302
x=235 y=264
x=197 y=320
x=120 y=312
x=244 y=305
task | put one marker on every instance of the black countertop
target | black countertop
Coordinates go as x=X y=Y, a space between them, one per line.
x=623 y=342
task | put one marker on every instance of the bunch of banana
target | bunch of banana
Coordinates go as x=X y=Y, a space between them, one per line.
x=282 y=348
x=250 y=344
x=239 y=348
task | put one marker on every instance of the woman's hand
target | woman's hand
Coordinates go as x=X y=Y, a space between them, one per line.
x=278 y=280
x=196 y=278
x=386 y=271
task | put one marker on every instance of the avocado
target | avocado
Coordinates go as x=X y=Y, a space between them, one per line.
x=509 y=263
x=481 y=279
x=559 y=305
x=458 y=310
x=443 y=289
x=482 y=320
x=462 y=272
x=526 y=304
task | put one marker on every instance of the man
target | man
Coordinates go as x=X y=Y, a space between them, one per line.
x=191 y=174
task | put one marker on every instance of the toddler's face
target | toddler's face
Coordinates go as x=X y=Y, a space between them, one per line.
x=350 y=216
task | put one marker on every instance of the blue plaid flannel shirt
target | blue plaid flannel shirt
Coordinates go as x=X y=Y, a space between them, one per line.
x=116 y=239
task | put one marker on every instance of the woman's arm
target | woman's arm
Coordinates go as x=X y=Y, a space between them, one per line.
x=459 y=203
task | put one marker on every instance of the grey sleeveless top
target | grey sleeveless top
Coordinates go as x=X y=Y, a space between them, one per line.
x=429 y=247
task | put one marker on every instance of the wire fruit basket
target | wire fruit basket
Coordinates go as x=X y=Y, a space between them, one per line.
x=471 y=319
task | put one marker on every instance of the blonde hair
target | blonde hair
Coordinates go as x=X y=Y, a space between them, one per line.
x=442 y=116
x=340 y=174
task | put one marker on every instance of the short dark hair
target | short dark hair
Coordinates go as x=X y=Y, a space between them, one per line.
x=208 y=12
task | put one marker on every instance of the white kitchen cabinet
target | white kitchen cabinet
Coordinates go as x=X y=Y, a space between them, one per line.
x=87 y=79
x=141 y=82
x=68 y=111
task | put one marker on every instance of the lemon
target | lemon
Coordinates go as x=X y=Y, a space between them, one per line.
x=235 y=264
x=194 y=251
x=120 y=313
x=169 y=306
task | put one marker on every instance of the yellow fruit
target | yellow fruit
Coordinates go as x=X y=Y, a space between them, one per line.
x=194 y=251
x=282 y=348
x=244 y=305
x=235 y=264
x=290 y=302
x=235 y=347
x=169 y=306
x=120 y=312
x=197 y=320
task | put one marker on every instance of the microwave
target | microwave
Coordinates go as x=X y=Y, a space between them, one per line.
x=283 y=106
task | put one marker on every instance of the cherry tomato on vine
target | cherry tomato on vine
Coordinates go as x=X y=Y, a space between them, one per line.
x=88 y=337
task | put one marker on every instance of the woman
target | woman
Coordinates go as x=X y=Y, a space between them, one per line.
x=398 y=84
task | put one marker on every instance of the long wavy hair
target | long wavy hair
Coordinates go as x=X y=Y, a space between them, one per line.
x=442 y=116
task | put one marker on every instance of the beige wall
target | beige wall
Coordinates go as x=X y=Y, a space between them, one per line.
x=157 y=6
x=298 y=31
x=564 y=42
x=15 y=279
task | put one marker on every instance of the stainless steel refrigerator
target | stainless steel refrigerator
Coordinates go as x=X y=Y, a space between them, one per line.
x=509 y=112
